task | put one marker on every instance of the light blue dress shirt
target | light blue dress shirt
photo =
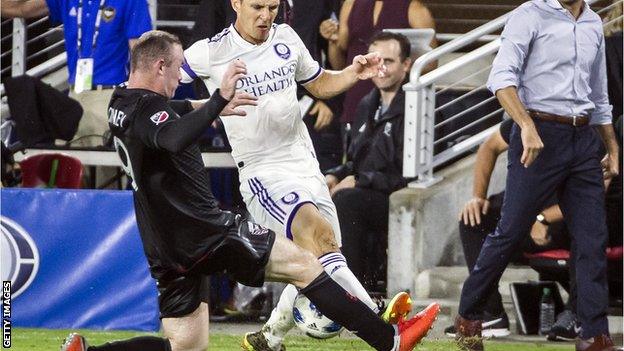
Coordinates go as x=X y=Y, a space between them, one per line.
x=556 y=62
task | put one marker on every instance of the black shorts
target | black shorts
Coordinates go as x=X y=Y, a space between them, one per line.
x=243 y=253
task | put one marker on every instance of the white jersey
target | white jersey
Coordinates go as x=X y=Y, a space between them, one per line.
x=272 y=138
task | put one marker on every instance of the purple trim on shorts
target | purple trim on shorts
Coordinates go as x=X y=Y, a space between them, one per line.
x=266 y=200
x=263 y=203
x=289 y=234
x=187 y=68
x=267 y=196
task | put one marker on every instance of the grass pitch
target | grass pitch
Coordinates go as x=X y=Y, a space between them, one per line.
x=50 y=340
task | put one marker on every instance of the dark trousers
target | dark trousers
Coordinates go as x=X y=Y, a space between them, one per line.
x=569 y=165
x=472 y=239
x=363 y=217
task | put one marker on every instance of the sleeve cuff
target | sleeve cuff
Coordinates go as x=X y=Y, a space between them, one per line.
x=314 y=76
x=500 y=82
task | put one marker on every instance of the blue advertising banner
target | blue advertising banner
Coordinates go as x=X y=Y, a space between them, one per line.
x=75 y=260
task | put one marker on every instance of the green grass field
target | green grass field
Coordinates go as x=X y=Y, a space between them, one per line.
x=48 y=340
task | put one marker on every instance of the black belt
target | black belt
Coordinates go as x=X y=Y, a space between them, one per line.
x=577 y=121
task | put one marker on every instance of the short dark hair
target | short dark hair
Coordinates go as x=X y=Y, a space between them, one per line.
x=151 y=46
x=404 y=43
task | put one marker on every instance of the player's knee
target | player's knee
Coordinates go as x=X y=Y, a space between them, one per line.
x=308 y=269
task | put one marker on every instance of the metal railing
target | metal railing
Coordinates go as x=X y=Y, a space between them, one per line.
x=21 y=63
x=438 y=133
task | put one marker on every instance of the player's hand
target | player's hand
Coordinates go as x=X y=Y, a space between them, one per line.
x=472 y=211
x=235 y=71
x=329 y=30
x=531 y=143
x=331 y=181
x=610 y=166
x=239 y=99
x=346 y=183
x=539 y=234
x=323 y=113
x=368 y=66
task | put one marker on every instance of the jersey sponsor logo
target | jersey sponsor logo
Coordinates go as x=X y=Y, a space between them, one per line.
x=108 y=14
x=275 y=79
x=19 y=256
x=290 y=198
x=159 y=117
x=282 y=50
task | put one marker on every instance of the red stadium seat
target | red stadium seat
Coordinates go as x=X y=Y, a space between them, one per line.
x=51 y=171
x=553 y=265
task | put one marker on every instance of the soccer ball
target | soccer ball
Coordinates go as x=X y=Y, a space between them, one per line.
x=311 y=321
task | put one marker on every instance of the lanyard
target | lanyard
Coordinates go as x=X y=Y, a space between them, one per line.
x=98 y=20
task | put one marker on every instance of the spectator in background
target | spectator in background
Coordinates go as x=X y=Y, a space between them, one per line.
x=478 y=219
x=361 y=187
x=480 y=215
x=556 y=102
x=98 y=36
x=359 y=20
x=613 y=49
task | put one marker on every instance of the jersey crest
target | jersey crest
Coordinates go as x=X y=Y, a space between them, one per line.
x=282 y=50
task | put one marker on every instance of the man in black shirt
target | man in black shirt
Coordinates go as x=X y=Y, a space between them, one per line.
x=186 y=236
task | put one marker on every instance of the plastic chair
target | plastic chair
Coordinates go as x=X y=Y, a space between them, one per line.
x=554 y=264
x=51 y=171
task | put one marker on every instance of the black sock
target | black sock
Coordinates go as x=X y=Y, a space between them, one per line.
x=143 y=343
x=348 y=311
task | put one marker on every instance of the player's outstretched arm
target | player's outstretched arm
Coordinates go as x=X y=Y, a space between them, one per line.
x=179 y=134
x=331 y=83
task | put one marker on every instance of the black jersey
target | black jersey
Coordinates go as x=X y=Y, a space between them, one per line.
x=177 y=214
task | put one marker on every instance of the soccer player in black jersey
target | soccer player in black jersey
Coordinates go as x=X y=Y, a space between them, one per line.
x=185 y=235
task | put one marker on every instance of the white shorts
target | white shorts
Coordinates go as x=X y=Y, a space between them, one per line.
x=273 y=202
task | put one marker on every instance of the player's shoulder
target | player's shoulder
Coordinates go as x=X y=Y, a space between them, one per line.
x=220 y=38
x=284 y=30
x=149 y=103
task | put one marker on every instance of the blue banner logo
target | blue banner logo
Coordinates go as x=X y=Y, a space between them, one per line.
x=19 y=256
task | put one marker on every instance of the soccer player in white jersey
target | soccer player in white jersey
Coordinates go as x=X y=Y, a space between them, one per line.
x=281 y=183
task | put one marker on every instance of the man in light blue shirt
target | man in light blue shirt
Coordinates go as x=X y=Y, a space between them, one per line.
x=550 y=77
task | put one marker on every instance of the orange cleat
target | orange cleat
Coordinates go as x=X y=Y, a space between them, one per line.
x=398 y=308
x=412 y=331
x=75 y=342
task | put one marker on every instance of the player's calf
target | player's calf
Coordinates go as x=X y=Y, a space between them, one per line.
x=190 y=332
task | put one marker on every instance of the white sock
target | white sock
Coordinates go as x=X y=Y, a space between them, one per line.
x=397 y=339
x=335 y=265
x=281 y=320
